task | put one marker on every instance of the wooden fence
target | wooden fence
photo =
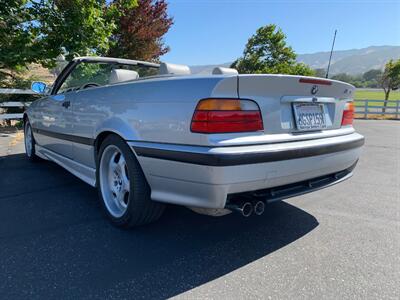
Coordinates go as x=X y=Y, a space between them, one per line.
x=366 y=108
x=16 y=104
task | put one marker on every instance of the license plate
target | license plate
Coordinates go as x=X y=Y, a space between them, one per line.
x=309 y=116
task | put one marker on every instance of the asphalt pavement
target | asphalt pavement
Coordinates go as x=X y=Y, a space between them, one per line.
x=342 y=242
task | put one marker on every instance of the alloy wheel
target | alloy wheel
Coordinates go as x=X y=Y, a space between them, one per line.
x=114 y=181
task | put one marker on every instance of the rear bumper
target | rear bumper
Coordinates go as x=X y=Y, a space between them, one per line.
x=205 y=176
x=298 y=188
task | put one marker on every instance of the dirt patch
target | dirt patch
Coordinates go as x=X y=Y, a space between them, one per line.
x=19 y=136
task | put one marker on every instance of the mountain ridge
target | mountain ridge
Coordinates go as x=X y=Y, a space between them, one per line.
x=352 y=61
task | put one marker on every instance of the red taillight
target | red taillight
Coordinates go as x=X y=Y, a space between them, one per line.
x=226 y=115
x=315 y=81
x=348 y=114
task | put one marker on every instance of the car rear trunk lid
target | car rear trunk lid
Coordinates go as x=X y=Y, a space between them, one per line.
x=286 y=101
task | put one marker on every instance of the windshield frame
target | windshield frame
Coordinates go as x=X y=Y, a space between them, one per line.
x=108 y=60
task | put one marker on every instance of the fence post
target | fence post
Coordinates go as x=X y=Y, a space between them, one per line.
x=397 y=109
x=365 y=109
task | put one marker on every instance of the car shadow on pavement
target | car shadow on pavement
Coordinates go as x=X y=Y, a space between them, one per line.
x=55 y=242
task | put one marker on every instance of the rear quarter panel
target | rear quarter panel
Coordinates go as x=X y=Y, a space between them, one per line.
x=153 y=110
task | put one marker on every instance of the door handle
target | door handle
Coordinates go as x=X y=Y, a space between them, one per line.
x=66 y=104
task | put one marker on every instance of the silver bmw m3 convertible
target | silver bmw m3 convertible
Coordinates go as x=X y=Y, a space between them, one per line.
x=147 y=134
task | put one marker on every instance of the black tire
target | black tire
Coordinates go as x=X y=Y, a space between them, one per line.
x=141 y=209
x=31 y=155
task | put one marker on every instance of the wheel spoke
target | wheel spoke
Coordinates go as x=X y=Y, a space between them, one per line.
x=126 y=186
x=120 y=199
x=112 y=163
x=124 y=174
x=121 y=162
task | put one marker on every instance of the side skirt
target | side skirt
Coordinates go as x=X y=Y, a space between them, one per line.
x=81 y=171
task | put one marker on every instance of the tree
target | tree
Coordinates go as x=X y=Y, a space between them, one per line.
x=343 y=77
x=38 y=31
x=267 y=52
x=139 y=31
x=320 y=72
x=17 y=38
x=390 y=79
x=372 y=78
x=372 y=75
x=77 y=27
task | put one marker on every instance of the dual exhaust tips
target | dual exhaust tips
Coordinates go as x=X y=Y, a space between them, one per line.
x=246 y=209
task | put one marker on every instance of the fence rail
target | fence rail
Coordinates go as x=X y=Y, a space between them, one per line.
x=367 y=108
x=13 y=116
x=14 y=104
x=16 y=91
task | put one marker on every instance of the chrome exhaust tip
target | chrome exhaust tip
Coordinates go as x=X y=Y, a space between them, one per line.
x=259 y=208
x=245 y=208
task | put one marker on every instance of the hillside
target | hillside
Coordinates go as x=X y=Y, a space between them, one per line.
x=355 y=61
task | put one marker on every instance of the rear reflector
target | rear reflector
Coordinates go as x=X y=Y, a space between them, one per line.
x=315 y=81
x=348 y=114
x=226 y=116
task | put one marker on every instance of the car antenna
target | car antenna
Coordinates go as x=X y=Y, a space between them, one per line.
x=330 y=56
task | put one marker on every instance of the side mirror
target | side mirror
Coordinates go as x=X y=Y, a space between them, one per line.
x=38 y=87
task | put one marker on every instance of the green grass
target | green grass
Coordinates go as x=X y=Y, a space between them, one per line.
x=375 y=95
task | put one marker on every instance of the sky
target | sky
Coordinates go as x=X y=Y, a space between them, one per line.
x=216 y=31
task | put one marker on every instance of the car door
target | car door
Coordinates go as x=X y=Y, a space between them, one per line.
x=86 y=111
x=53 y=127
